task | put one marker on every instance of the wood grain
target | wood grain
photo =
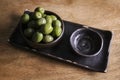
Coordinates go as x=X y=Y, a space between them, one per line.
x=16 y=64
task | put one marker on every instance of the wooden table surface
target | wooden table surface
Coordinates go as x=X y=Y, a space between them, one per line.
x=17 y=64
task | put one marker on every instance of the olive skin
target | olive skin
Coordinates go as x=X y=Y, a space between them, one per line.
x=57 y=31
x=48 y=38
x=41 y=21
x=32 y=24
x=39 y=9
x=28 y=32
x=48 y=19
x=56 y=23
x=25 y=18
x=37 y=37
x=53 y=17
x=47 y=28
x=37 y=15
x=44 y=15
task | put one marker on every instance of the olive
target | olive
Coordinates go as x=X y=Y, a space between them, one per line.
x=57 y=31
x=25 y=18
x=37 y=15
x=48 y=19
x=28 y=32
x=57 y=23
x=53 y=17
x=39 y=9
x=31 y=24
x=44 y=15
x=41 y=21
x=47 y=28
x=48 y=38
x=37 y=37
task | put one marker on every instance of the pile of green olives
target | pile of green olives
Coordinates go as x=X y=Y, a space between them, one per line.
x=41 y=27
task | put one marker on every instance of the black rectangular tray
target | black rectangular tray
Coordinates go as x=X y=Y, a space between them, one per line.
x=64 y=52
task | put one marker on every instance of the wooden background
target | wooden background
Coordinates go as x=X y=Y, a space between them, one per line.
x=16 y=64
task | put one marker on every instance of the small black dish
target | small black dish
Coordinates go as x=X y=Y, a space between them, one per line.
x=86 y=42
x=42 y=45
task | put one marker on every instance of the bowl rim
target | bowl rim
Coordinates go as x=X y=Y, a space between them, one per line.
x=82 y=54
x=44 y=44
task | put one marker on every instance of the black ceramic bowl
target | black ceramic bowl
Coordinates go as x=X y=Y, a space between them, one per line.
x=43 y=45
x=86 y=42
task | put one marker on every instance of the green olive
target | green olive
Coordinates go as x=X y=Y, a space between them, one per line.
x=37 y=15
x=39 y=9
x=57 y=31
x=37 y=37
x=31 y=24
x=48 y=38
x=28 y=32
x=25 y=18
x=47 y=28
x=41 y=21
x=53 y=17
x=48 y=19
x=44 y=15
x=57 y=23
